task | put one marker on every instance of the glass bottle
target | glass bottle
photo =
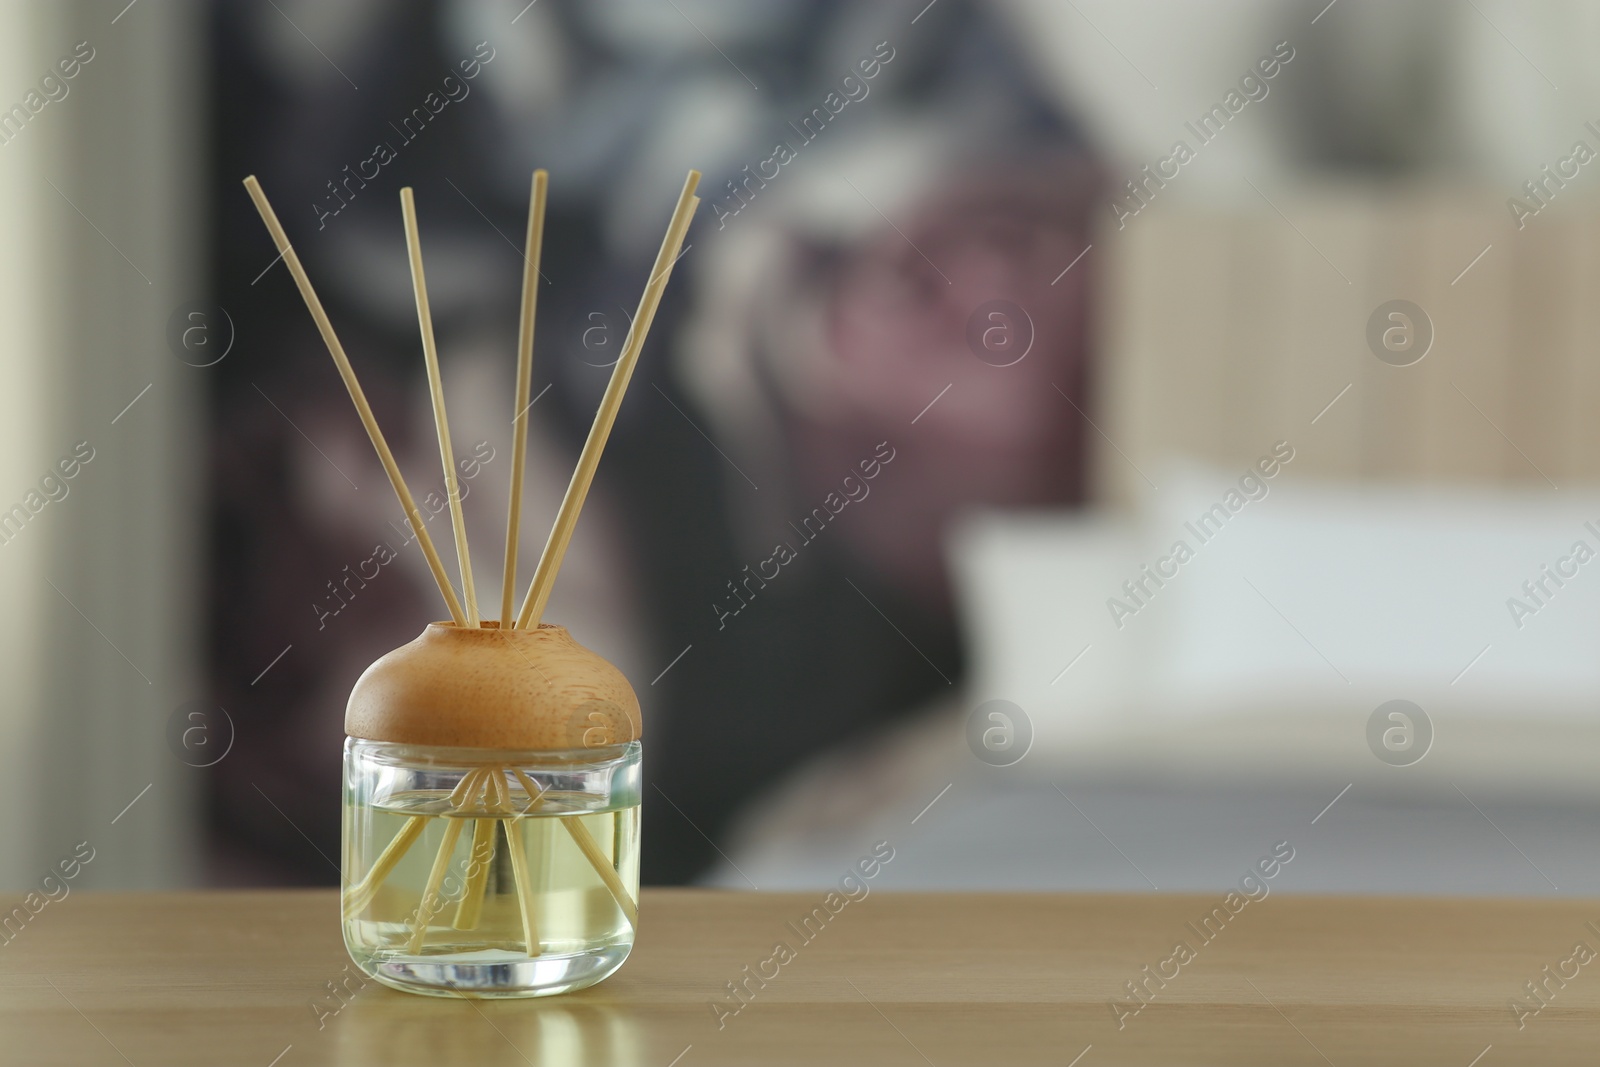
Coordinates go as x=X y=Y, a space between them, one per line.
x=491 y=815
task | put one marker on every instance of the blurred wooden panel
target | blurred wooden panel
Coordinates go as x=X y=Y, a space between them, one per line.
x=1165 y=391
x=1328 y=277
x=1546 y=320
x=1190 y=304
x=1468 y=404
x=1391 y=399
x=1256 y=380
x=1231 y=328
x=1124 y=386
x=1578 y=407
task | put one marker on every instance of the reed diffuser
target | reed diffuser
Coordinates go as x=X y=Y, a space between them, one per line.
x=491 y=787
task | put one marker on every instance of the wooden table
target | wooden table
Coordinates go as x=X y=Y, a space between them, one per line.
x=241 y=978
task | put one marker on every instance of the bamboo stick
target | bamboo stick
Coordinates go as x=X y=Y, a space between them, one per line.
x=462 y=796
x=512 y=827
x=525 y=893
x=362 y=895
x=359 y=896
x=441 y=422
x=348 y=374
x=595 y=855
x=426 y=909
x=470 y=910
x=608 y=874
x=479 y=855
x=530 y=787
x=519 y=421
x=589 y=459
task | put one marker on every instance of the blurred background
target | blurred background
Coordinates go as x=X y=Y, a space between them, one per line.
x=1083 y=444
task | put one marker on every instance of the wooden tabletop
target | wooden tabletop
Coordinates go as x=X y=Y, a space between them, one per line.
x=944 y=979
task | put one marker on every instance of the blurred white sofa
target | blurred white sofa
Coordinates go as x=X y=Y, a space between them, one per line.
x=1268 y=650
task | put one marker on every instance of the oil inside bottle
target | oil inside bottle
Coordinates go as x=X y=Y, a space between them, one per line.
x=454 y=914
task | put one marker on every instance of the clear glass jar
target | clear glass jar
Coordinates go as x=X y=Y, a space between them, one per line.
x=490 y=873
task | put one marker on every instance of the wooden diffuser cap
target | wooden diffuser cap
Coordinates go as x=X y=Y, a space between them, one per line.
x=533 y=690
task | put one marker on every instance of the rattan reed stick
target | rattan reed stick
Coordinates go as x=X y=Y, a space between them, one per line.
x=348 y=374
x=519 y=421
x=441 y=421
x=589 y=459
